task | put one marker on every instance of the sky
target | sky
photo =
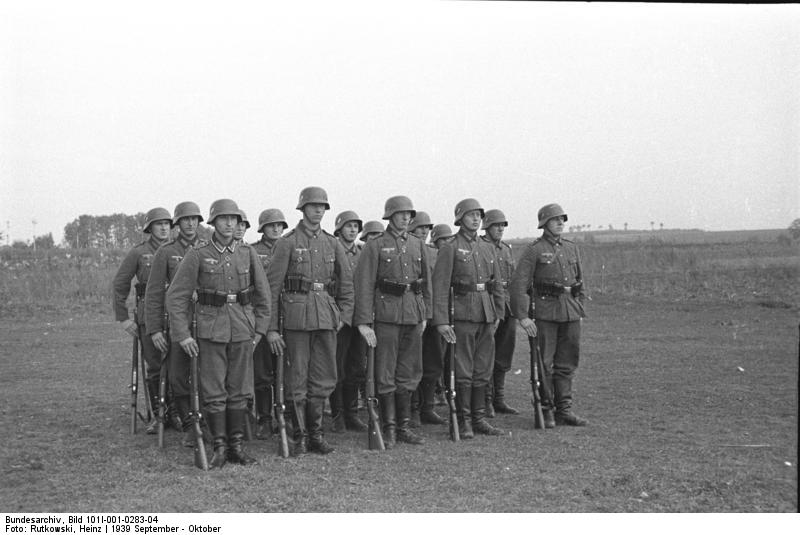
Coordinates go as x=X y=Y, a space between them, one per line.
x=681 y=114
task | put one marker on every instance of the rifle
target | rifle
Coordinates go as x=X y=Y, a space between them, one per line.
x=280 y=402
x=537 y=384
x=134 y=382
x=200 y=459
x=374 y=435
x=451 y=365
x=162 y=385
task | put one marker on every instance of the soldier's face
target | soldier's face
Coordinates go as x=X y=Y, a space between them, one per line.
x=225 y=225
x=160 y=229
x=400 y=220
x=555 y=225
x=349 y=232
x=188 y=226
x=313 y=212
x=496 y=231
x=471 y=220
x=421 y=232
x=241 y=228
x=273 y=231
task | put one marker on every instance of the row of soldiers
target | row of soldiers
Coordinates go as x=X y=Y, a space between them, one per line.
x=335 y=297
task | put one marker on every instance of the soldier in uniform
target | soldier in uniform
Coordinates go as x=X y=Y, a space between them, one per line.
x=422 y=401
x=311 y=275
x=187 y=218
x=550 y=268
x=233 y=307
x=372 y=229
x=351 y=353
x=271 y=224
x=137 y=263
x=468 y=265
x=440 y=235
x=393 y=293
x=495 y=223
x=241 y=226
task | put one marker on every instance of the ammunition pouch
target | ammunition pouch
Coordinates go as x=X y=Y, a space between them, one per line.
x=577 y=289
x=461 y=288
x=301 y=285
x=399 y=288
x=140 y=288
x=549 y=289
x=218 y=299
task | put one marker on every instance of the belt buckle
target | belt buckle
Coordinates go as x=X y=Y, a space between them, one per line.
x=480 y=287
x=231 y=298
x=505 y=284
x=567 y=289
x=317 y=286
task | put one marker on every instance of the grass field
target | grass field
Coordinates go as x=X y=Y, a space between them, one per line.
x=689 y=376
x=693 y=407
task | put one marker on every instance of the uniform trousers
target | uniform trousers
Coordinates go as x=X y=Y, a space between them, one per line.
x=505 y=338
x=310 y=364
x=398 y=356
x=226 y=374
x=559 y=344
x=474 y=353
x=263 y=366
x=150 y=354
x=351 y=357
x=178 y=370
x=433 y=350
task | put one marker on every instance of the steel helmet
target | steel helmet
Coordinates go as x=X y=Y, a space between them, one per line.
x=313 y=194
x=494 y=217
x=223 y=207
x=422 y=219
x=346 y=217
x=244 y=218
x=186 y=209
x=156 y=214
x=441 y=231
x=467 y=205
x=549 y=211
x=398 y=203
x=269 y=216
x=370 y=227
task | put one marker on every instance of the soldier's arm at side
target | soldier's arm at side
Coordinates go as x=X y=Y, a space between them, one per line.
x=179 y=296
x=121 y=285
x=276 y=273
x=345 y=298
x=262 y=302
x=155 y=292
x=364 y=283
x=518 y=290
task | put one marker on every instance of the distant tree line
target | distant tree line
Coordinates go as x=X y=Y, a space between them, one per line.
x=115 y=231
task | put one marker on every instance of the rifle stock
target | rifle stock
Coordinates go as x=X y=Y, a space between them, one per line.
x=374 y=434
x=536 y=384
x=451 y=383
x=200 y=459
x=280 y=401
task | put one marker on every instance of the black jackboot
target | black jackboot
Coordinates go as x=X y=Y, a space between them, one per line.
x=337 y=409
x=316 y=438
x=218 y=428
x=489 y=401
x=264 y=413
x=479 y=423
x=499 y=402
x=562 y=390
x=386 y=402
x=235 y=424
x=152 y=390
x=351 y=420
x=182 y=408
x=464 y=410
x=415 y=421
x=427 y=415
x=300 y=434
x=402 y=399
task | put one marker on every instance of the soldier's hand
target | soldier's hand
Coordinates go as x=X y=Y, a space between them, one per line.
x=159 y=341
x=529 y=326
x=341 y=326
x=495 y=325
x=257 y=339
x=424 y=324
x=189 y=345
x=131 y=328
x=276 y=343
x=447 y=333
x=368 y=334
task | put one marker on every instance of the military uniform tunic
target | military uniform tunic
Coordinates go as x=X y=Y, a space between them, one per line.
x=506 y=334
x=387 y=262
x=311 y=275
x=548 y=267
x=469 y=265
x=165 y=264
x=223 y=274
x=137 y=263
